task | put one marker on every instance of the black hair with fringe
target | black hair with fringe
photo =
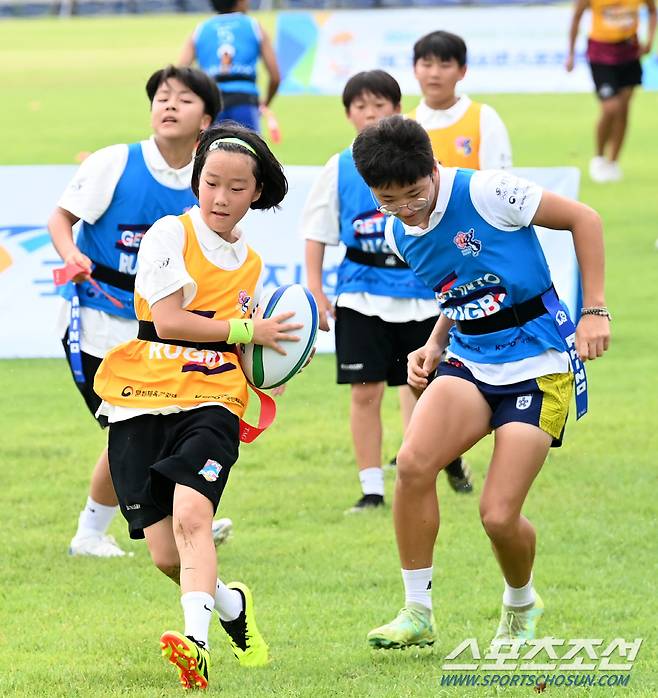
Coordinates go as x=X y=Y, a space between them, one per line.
x=395 y=151
x=267 y=169
x=442 y=45
x=196 y=80
x=377 y=82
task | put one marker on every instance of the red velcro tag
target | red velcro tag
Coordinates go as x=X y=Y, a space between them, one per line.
x=248 y=432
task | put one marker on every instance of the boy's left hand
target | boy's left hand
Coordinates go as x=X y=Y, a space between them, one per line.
x=592 y=336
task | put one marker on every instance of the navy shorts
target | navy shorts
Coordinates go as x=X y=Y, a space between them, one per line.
x=371 y=350
x=151 y=453
x=248 y=115
x=543 y=401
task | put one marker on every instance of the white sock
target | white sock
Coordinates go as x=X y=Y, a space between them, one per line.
x=418 y=586
x=372 y=481
x=522 y=596
x=228 y=602
x=197 y=609
x=95 y=518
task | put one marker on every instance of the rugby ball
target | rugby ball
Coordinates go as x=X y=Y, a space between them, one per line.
x=263 y=366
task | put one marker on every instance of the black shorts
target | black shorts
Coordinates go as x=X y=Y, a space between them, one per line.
x=609 y=80
x=90 y=365
x=150 y=453
x=371 y=350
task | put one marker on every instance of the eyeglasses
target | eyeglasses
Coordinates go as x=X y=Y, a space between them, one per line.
x=393 y=209
x=414 y=205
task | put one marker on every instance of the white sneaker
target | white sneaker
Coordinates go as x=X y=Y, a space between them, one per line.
x=95 y=545
x=614 y=172
x=221 y=530
x=599 y=169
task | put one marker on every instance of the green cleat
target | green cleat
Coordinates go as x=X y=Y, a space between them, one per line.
x=413 y=627
x=246 y=641
x=519 y=623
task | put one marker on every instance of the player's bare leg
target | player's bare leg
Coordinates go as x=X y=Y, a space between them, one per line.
x=366 y=427
x=519 y=453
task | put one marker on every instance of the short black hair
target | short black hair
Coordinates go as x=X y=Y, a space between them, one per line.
x=196 y=80
x=223 y=6
x=395 y=151
x=443 y=45
x=378 y=82
x=267 y=169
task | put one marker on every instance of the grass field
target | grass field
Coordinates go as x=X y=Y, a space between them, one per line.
x=83 y=627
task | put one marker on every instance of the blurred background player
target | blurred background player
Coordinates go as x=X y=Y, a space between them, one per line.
x=118 y=193
x=613 y=52
x=228 y=47
x=382 y=311
x=463 y=133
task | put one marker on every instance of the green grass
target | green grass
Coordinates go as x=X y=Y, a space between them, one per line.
x=76 y=627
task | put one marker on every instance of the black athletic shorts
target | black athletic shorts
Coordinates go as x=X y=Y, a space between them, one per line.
x=371 y=350
x=609 y=80
x=150 y=453
x=90 y=365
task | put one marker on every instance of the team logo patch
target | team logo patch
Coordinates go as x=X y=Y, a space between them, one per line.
x=464 y=145
x=606 y=91
x=210 y=470
x=243 y=301
x=523 y=402
x=468 y=243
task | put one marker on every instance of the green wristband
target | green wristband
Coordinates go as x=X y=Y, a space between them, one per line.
x=240 y=331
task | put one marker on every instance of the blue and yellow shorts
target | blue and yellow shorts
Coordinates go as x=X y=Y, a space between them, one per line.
x=543 y=401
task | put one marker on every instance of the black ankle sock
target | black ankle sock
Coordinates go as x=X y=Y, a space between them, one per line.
x=455 y=468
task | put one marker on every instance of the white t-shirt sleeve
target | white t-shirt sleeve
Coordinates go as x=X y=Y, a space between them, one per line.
x=390 y=238
x=321 y=214
x=504 y=200
x=495 y=147
x=160 y=264
x=89 y=194
x=257 y=29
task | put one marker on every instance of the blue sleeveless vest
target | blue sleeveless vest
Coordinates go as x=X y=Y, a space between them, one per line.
x=477 y=270
x=227 y=47
x=114 y=239
x=362 y=228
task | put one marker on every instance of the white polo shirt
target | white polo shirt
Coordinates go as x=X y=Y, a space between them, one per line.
x=87 y=196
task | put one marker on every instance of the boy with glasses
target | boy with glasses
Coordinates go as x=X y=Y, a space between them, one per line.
x=513 y=355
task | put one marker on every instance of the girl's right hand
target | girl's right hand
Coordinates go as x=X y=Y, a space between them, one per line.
x=269 y=332
x=325 y=309
x=76 y=257
x=420 y=363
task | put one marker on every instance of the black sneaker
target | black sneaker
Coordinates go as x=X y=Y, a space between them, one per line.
x=392 y=464
x=459 y=476
x=367 y=502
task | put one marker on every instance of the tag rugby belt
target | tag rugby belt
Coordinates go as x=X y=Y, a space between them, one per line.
x=148 y=333
x=119 y=279
x=505 y=319
x=385 y=260
x=234 y=77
